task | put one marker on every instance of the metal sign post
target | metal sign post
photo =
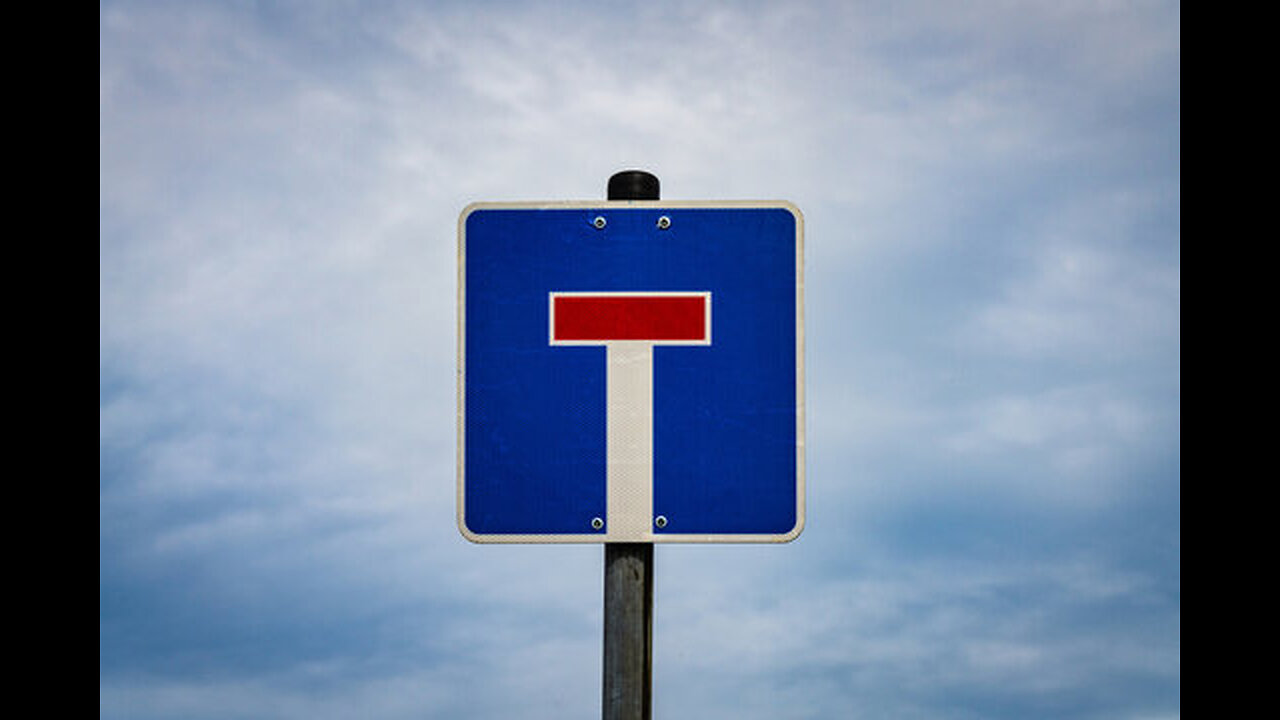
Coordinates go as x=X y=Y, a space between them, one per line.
x=628 y=572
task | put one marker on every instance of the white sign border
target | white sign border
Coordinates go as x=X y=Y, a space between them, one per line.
x=591 y=538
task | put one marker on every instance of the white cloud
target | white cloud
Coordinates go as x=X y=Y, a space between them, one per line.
x=982 y=630
x=339 y=691
x=1082 y=302
x=1071 y=444
x=280 y=187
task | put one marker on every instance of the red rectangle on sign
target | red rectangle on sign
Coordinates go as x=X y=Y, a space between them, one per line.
x=601 y=318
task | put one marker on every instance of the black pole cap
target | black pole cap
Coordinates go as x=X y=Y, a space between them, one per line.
x=633 y=185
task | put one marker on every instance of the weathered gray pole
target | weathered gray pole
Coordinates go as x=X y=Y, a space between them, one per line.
x=628 y=571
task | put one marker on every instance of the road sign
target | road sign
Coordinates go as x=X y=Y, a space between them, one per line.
x=631 y=371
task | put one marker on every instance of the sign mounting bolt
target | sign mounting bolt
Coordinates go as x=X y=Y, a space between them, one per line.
x=599 y=222
x=597 y=523
x=660 y=521
x=664 y=222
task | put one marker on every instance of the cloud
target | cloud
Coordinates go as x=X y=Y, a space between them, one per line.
x=1087 y=297
x=1080 y=441
x=991 y=197
x=964 y=637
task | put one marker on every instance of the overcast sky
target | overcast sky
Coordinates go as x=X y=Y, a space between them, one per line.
x=991 y=193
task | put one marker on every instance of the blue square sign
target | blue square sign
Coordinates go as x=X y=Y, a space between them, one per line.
x=631 y=371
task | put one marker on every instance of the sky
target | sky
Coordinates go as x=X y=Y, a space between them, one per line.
x=991 y=196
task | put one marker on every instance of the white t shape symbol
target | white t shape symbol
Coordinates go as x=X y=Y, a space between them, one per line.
x=628 y=325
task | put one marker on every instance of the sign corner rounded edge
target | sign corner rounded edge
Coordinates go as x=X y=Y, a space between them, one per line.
x=792 y=208
x=794 y=532
x=472 y=207
x=469 y=533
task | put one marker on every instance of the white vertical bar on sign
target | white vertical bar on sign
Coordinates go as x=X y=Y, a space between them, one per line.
x=628 y=413
x=629 y=439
